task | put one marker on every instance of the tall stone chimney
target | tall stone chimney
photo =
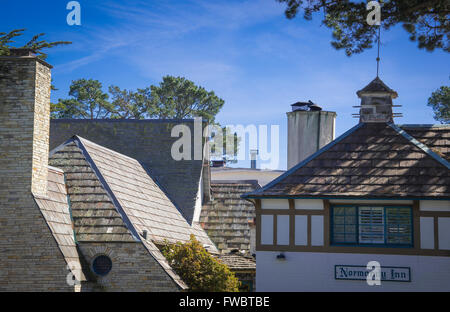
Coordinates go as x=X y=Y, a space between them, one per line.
x=309 y=129
x=25 y=83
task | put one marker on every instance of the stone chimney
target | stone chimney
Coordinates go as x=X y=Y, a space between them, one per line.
x=25 y=83
x=309 y=129
x=376 y=102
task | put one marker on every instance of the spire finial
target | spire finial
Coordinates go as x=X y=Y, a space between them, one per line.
x=378 y=55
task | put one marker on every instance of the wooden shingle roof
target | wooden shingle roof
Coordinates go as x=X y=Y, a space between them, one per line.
x=226 y=217
x=238 y=262
x=371 y=160
x=377 y=86
x=436 y=137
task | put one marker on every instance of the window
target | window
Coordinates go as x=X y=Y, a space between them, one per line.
x=102 y=265
x=371 y=225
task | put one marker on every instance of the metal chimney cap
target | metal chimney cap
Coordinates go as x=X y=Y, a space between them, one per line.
x=314 y=107
x=306 y=106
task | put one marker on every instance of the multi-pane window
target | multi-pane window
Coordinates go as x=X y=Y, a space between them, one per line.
x=371 y=225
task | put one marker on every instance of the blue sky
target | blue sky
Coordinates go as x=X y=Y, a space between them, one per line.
x=246 y=51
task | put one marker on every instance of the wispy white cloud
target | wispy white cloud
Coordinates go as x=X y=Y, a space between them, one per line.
x=155 y=25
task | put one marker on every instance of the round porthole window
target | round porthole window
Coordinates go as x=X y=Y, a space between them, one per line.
x=102 y=265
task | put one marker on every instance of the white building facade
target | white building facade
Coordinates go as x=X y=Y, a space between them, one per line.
x=297 y=251
x=372 y=205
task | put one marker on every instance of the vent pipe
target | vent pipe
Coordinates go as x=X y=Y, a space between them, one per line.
x=253 y=156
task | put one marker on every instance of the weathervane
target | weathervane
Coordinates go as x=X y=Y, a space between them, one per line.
x=378 y=55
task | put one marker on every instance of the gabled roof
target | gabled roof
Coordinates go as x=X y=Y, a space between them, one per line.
x=116 y=186
x=147 y=141
x=113 y=198
x=371 y=160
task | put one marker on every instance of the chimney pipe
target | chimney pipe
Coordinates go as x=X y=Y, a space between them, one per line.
x=253 y=156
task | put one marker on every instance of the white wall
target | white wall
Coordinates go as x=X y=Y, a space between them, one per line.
x=274 y=204
x=317 y=230
x=301 y=230
x=198 y=201
x=309 y=204
x=435 y=205
x=305 y=271
x=232 y=174
x=267 y=225
x=282 y=230
x=444 y=233
x=426 y=233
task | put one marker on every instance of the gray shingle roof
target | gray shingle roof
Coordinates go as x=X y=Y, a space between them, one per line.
x=237 y=262
x=113 y=198
x=147 y=141
x=226 y=218
x=55 y=210
x=95 y=216
x=377 y=86
x=143 y=202
x=372 y=160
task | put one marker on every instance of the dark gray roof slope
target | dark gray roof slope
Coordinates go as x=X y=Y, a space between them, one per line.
x=377 y=86
x=95 y=217
x=372 y=160
x=147 y=141
x=114 y=199
x=143 y=202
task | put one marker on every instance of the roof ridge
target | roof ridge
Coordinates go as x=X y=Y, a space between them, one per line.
x=101 y=146
x=428 y=126
x=420 y=145
x=107 y=188
x=305 y=161
x=124 y=214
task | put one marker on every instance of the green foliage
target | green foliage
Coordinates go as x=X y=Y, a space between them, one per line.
x=427 y=22
x=198 y=269
x=88 y=102
x=175 y=97
x=178 y=97
x=6 y=39
x=440 y=102
x=128 y=104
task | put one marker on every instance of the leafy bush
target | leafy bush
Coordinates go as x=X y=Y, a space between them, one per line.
x=198 y=269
